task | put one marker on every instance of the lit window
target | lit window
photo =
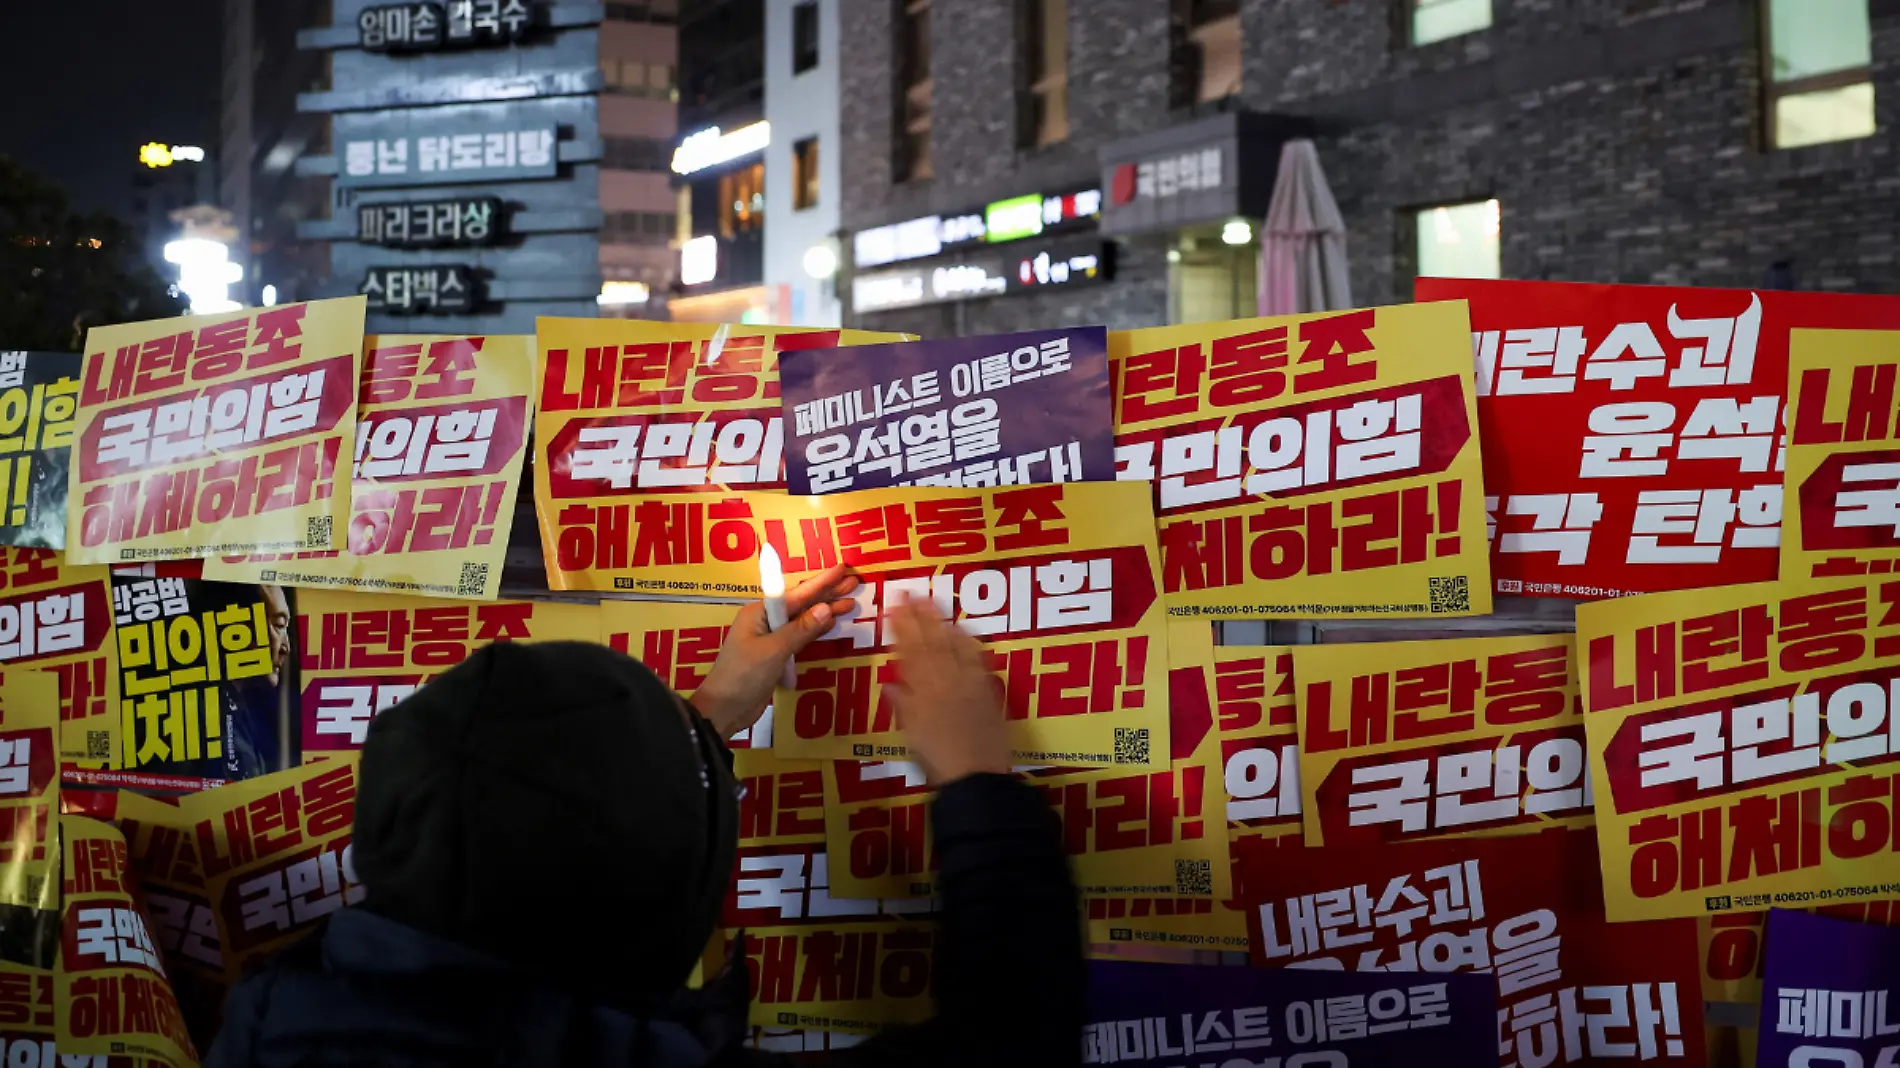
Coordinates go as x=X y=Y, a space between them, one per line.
x=1819 y=83
x=805 y=174
x=913 y=128
x=1045 y=70
x=1436 y=20
x=1207 y=63
x=1459 y=240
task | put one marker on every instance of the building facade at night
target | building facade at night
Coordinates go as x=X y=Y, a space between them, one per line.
x=802 y=165
x=1702 y=142
x=719 y=164
x=639 y=234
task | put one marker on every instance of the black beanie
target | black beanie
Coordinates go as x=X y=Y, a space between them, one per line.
x=549 y=805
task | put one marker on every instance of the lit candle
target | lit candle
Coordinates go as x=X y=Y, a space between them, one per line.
x=772 y=585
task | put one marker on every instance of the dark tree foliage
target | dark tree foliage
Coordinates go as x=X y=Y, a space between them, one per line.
x=62 y=272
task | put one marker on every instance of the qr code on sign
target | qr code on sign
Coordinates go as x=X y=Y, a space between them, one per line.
x=1451 y=594
x=98 y=745
x=316 y=532
x=1131 y=745
x=474 y=580
x=1194 y=877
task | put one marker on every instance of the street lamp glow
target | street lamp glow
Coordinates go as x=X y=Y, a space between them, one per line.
x=1237 y=232
x=821 y=262
x=205 y=273
x=699 y=260
x=270 y=296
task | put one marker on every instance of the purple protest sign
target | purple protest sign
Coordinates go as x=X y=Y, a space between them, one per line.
x=1004 y=409
x=1205 y=1016
x=1830 y=994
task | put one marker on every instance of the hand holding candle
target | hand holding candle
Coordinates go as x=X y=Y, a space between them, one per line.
x=760 y=645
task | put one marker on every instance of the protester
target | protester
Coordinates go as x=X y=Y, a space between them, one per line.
x=545 y=834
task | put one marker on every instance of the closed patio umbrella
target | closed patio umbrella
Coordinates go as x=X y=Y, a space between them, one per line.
x=1303 y=251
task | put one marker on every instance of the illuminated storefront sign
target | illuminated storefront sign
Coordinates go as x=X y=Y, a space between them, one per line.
x=710 y=147
x=1034 y=265
x=1030 y=215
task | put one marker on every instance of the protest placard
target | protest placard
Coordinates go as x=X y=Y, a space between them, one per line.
x=56 y=617
x=1741 y=744
x=1130 y=834
x=1527 y=908
x=1831 y=995
x=1843 y=455
x=29 y=787
x=1169 y=1015
x=1632 y=434
x=112 y=995
x=1404 y=740
x=1058 y=581
x=276 y=855
x=813 y=960
x=162 y=853
x=1193 y=923
x=441 y=433
x=640 y=425
x=359 y=654
x=678 y=641
x=1000 y=410
x=215 y=434
x=39 y=400
x=204 y=668
x=1309 y=465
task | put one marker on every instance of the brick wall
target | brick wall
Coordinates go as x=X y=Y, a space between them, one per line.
x=1621 y=137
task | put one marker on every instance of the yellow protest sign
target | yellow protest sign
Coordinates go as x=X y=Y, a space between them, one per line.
x=359 y=654
x=640 y=427
x=1408 y=740
x=39 y=399
x=60 y=618
x=1319 y=465
x=163 y=853
x=215 y=434
x=1742 y=745
x=29 y=785
x=679 y=641
x=111 y=994
x=441 y=433
x=1841 y=501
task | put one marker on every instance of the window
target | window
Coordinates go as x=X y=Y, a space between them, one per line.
x=1436 y=20
x=633 y=78
x=742 y=201
x=913 y=87
x=1459 y=240
x=1820 y=85
x=636 y=154
x=1206 y=36
x=805 y=174
x=804 y=37
x=637 y=228
x=1045 y=72
x=661 y=11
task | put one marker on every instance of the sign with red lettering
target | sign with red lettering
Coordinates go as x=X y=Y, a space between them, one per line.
x=1843 y=454
x=441 y=433
x=678 y=641
x=163 y=856
x=1745 y=745
x=39 y=399
x=29 y=787
x=1405 y=740
x=215 y=434
x=276 y=855
x=1058 y=581
x=639 y=426
x=1572 y=987
x=359 y=654
x=112 y=995
x=1633 y=434
x=56 y=617
x=1309 y=465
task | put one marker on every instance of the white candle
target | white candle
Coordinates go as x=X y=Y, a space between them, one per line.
x=772 y=584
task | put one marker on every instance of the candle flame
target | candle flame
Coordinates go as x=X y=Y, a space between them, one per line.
x=771 y=573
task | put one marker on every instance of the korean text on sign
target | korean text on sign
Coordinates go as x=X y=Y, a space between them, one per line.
x=276 y=855
x=1831 y=993
x=421 y=26
x=163 y=854
x=1001 y=410
x=441 y=435
x=1415 y=739
x=57 y=617
x=679 y=641
x=449 y=157
x=359 y=654
x=39 y=399
x=639 y=427
x=1572 y=988
x=1318 y=465
x=215 y=433
x=1634 y=434
x=1745 y=745
x=29 y=788
x=112 y=992
x=1057 y=580
x=1843 y=455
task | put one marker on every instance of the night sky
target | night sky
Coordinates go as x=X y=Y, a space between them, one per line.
x=86 y=82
